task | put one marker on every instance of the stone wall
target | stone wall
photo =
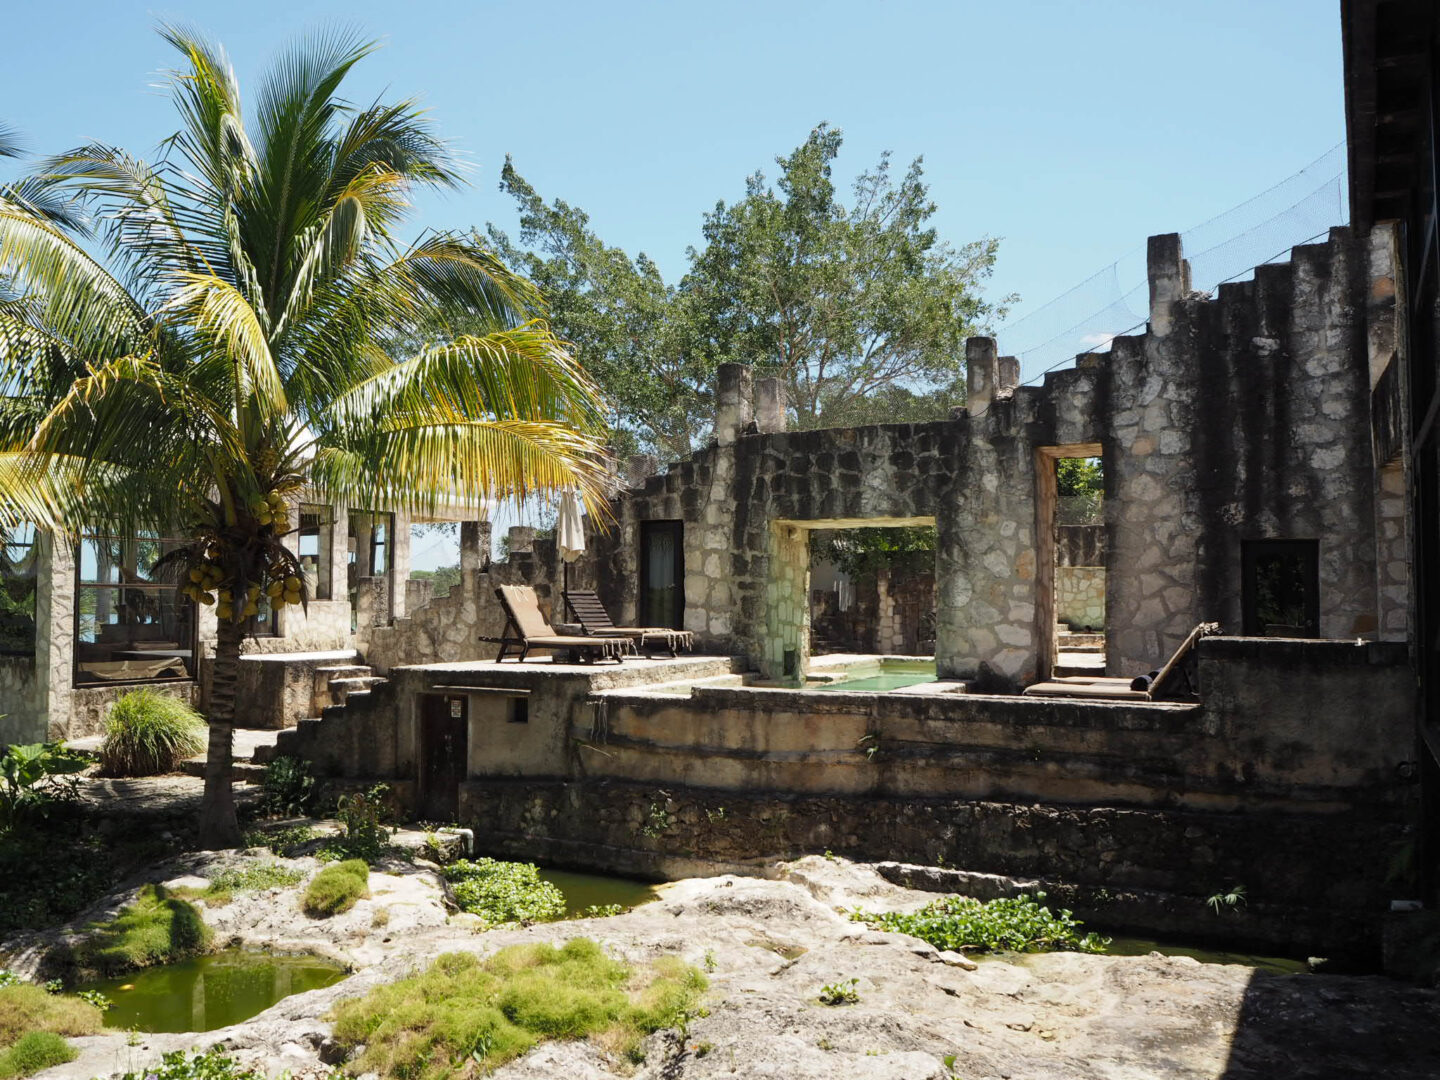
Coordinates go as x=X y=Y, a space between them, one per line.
x=1080 y=597
x=22 y=716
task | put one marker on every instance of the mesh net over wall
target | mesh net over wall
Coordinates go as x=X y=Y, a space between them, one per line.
x=1300 y=209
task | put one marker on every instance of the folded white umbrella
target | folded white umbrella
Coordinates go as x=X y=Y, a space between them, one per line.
x=570 y=528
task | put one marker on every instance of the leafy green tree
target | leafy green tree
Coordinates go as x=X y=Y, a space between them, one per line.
x=632 y=331
x=861 y=308
x=232 y=347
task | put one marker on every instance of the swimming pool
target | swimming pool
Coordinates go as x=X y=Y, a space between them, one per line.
x=878 y=676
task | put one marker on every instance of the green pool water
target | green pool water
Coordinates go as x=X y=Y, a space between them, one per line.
x=587 y=890
x=878 y=678
x=1275 y=965
x=211 y=991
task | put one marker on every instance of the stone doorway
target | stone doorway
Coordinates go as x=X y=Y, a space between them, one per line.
x=1071 y=527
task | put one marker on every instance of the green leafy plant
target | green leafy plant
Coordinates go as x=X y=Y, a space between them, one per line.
x=288 y=789
x=1232 y=900
x=1009 y=924
x=602 y=911
x=96 y=998
x=156 y=928
x=710 y=962
x=362 y=814
x=148 y=732
x=33 y=1051
x=35 y=778
x=464 y=1014
x=213 y=1064
x=840 y=993
x=503 y=892
x=9 y=978
x=336 y=888
x=657 y=819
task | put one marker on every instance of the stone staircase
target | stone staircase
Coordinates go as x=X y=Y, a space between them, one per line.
x=338 y=687
x=1078 y=653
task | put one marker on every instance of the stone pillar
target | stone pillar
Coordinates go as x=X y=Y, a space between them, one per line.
x=520 y=538
x=787 y=603
x=981 y=374
x=770 y=405
x=1007 y=376
x=732 y=402
x=399 y=564
x=474 y=547
x=1169 y=276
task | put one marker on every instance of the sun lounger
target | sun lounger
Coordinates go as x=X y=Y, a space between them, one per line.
x=1152 y=687
x=590 y=613
x=522 y=613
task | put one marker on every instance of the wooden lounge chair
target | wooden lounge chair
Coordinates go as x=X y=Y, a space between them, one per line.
x=590 y=613
x=1151 y=687
x=522 y=614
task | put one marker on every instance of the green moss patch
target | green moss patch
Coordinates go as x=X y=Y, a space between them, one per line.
x=226 y=884
x=33 y=1026
x=504 y=892
x=156 y=929
x=465 y=1012
x=336 y=888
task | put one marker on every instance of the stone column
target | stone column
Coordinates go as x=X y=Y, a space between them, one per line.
x=732 y=402
x=520 y=538
x=1169 y=276
x=981 y=374
x=1007 y=376
x=770 y=405
x=787 y=603
x=474 y=546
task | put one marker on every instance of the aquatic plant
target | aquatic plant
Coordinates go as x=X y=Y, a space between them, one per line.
x=464 y=1013
x=1009 y=924
x=147 y=733
x=503 y=892
x=336 y=888
x=156 y=928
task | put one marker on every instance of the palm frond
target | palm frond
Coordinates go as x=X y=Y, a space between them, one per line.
x=217 y=310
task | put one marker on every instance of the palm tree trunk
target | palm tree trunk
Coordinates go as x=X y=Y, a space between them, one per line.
x=219 y=827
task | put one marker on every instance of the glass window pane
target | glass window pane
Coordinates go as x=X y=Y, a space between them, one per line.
x=132 y=634
x=17 y=591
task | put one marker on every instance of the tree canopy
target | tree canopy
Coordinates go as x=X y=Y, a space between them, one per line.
x=859 y=306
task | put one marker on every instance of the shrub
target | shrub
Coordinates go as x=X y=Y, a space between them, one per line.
x=35 y=778
x=156 y=929
x=504 y=892
x=48 y=875
x=288 y=789
x=284 y=840
x=336 y=888
x=147 y=732
x=464 y=1012
x=1010 y=924
x=34 y=1051
x=362 y=815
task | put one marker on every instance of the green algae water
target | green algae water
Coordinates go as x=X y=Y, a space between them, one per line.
x=212 y=991
x=597 y=890
x=1274 y=965
x=876 y=679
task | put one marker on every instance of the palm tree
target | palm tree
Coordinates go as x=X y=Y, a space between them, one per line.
x=241 y=338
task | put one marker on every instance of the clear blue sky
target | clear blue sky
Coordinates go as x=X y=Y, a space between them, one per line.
x=1071 y=130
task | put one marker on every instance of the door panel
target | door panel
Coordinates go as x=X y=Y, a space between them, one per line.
x=444 y=754
x=662 y=574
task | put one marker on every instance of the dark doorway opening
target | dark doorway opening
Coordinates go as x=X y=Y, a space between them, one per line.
x=444 y=754
x=1281 y=588
x=662 y=574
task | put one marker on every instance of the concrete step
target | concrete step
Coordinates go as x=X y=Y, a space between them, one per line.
x=341 y=690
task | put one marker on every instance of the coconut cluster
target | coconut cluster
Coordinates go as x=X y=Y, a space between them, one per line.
x=211 y=585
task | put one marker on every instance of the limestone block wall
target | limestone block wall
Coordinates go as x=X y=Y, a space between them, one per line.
x=1392 y=555
x=23 y=717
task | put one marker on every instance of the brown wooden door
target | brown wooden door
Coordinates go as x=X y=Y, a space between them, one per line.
x=444 y=753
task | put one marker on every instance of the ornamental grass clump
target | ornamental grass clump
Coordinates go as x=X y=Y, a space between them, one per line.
x=148 y=733
x=504 y=892
x=464 y=1013
x=1009 y=924
x=157 y=928
x=33 y=1026
x=336 y=888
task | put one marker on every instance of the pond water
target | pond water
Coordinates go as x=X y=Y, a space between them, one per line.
x=878 y=678
x=1274 y=965
x=210 y=991
x=587 y=890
